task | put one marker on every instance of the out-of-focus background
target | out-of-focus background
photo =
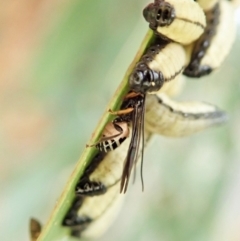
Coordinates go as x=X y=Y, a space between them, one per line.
x=60 y=63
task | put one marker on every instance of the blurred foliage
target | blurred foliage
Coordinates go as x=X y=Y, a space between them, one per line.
x=60 y=63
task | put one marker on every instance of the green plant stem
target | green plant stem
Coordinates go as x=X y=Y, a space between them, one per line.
x=54 y=230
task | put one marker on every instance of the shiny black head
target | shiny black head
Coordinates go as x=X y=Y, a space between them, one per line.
x=159 y=13
x=145 y=80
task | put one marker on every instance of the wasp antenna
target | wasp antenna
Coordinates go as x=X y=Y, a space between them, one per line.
x=130 y=159
x=134 y=174
x=143 y=139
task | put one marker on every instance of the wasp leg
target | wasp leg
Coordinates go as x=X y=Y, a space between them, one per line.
x=113 y=135
x=35 y=229
x=121 y=112
x=170 y=118
x=132 y=95
x=103 y=139
x=107 y=140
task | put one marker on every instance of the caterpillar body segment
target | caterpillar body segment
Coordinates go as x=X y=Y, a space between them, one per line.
x=35 y=229
x=97 y=194
x=213 y=46
x=181 y=21
x=71 y=219
x=92 y=187
x=109 y=171
x=163 y=62
x=173 y=88
x=103 y=211
x=103 y=172
x=200 y=47
x=207 y=5
x=169 y=118
x=223 y=39
x=235 y=3
x=113 y=135
x=89 y=217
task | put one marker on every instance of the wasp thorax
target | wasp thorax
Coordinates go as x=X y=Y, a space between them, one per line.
x=159 y=13
x=145 y=80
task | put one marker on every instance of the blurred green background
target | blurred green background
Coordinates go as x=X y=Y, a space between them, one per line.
x=61 y=61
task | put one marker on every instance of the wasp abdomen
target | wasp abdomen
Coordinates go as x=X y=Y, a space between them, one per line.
x=114 y=134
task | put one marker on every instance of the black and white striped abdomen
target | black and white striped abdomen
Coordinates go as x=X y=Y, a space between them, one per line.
x=110 y=145
x=113 y=135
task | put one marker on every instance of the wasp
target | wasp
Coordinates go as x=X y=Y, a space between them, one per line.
x=182 y=21
x=130 y=113
x=133 y=110
x=210 y=50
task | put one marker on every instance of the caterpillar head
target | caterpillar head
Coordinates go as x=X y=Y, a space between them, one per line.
x=159 y=13
x=144 y=80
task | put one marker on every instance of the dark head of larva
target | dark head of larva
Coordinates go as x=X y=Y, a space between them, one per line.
x=143 y=79
x=159 y=13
